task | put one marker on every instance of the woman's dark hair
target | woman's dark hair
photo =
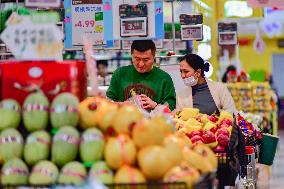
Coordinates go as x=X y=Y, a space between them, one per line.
x=196 y=62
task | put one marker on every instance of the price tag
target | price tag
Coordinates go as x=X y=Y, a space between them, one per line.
x=133 y=20
x=227 y=33
x=87 y=20
x=191 y=26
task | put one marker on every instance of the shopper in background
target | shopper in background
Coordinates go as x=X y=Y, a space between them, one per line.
x=208 y=96
x=228 y=70
x=103 y=76
x=152 y=85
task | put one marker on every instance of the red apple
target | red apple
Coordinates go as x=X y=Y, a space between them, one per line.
x=223 y=140
x=194 y=133
x=227 y=122
x=208 y=137
x=195 y=139
x=223 y=131
x=213 y=130
x=213 y=118
x=219 y=149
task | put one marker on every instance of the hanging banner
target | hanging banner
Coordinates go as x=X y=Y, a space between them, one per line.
x=83 y=18
x=265 y=3
x=133 y=19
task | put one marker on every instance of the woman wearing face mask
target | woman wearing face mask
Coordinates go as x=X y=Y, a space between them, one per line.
x=207 y=96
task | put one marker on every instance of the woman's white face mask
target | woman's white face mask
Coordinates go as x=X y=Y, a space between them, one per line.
x=190 y=81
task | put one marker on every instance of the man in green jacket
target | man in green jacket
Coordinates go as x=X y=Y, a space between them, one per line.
x=152 y=85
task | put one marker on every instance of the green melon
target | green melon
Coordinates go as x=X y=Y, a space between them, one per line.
x=92 y=145
x=14 y=172
x=37 y=147
x=72 y=173
x=44 y=173
x=35 y=112
x=10 y=114
x=64 y=110
x=65 y=145
x=11 y=144
x=101 y=172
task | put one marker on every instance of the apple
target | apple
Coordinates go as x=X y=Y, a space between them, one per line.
x=219 y=149
x=223 y=140
x=194 y=133
x=223 y=131
x=213 y=118
x=197 y=139
x=227 y=121
x=214 y=129
x=208 y=137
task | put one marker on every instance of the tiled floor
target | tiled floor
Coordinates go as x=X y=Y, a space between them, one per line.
x=276 y=181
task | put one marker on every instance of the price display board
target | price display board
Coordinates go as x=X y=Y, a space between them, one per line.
x=84 y=18
x=191 y=26
x=133 y=20
x=227 y=33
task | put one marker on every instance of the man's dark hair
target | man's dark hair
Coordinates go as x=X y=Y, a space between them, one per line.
x=102 y=62
x=143 y=45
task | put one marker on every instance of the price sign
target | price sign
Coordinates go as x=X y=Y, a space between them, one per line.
x=133 y=27
x=227 y=33
x=87 y=20
x=133 y=20
x=29 y=41
x=191 y=26
x=193 y=32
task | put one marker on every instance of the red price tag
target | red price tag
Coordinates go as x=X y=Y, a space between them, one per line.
x=85 y=24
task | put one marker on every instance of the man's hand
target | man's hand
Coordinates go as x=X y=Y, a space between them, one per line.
x=147 y=103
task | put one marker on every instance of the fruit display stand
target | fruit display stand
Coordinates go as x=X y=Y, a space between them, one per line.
x=61 y=141
x=222 y=134
x=256 y=98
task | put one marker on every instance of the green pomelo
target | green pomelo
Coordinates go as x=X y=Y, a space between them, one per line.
x=14 y=172
x=10 y=114
x=43 y=173
x=65 y=145
x=64 y=110
x=35 y=113
x=72 y=173
x=11 y=144
x=92 y=145
x=101 y=172
x=37 y=147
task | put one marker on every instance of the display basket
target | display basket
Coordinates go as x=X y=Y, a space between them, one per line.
x=205 y=182
x=150 y=185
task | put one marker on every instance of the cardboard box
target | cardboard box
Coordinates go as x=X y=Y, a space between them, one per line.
x=20 y=78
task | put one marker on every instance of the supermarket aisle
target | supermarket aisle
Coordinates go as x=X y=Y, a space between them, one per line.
x=277 y=179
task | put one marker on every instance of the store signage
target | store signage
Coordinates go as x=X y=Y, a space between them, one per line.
x=83 y=18
x=191 y=26
x=133 y=20
x=227 y=33
x=29 y=41
x=265 y=3
x=42 y=3
x=129 y=20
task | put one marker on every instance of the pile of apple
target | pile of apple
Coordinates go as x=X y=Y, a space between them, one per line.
x=140 y=149
x=211 y=130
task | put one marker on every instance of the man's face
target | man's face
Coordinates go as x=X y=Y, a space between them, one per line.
x=143 y=61
x=102 y=70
